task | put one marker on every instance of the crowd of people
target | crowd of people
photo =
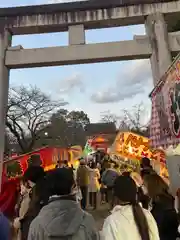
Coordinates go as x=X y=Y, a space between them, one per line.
x=55 y=204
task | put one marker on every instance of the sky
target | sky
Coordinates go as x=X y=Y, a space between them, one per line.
x=94 y=88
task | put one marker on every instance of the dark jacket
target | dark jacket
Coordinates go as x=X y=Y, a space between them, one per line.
x=143 y=199
x=166 y=217
x=38 y=200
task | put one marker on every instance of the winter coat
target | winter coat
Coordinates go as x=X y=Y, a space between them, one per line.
x=38 y=200
x=120 y=225
x=63 y=219
x=23 y=208
x=94 y=176
x=82 y=176
x=166 y=217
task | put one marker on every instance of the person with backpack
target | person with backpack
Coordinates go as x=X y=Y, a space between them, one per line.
x=62 y=218
x=108 y=178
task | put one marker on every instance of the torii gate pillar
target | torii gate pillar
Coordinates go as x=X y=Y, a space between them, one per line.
x=5 y=41
x=157 y=33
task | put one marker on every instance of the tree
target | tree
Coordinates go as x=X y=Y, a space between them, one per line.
x=78 y=117
x=135 y=120
x=28 y=115
x=77 y=120
x=65 y=129
x=108 y=117
x=119 y=121
x=132 y=120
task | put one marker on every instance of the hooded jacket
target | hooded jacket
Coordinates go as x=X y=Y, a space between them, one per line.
x=63 y=220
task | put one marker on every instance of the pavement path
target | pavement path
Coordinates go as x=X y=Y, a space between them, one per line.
x=100 y=214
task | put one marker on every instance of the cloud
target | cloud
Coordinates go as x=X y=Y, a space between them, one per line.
x=131 y=82
x=70 y=84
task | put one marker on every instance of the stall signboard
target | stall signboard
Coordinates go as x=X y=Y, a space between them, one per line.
x=165 y=117
x=132 y=146
x=46 y=157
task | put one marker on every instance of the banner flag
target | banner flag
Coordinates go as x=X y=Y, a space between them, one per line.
x=165 y=117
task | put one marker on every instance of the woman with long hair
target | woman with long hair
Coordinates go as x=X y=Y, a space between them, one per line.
x=162 y=206
x=128 y=219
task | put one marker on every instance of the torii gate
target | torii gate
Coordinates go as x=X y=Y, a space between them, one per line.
x=159 y=17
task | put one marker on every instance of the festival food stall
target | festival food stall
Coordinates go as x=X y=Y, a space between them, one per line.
x=47 y=157
x=95 y=144
x=129 y=148
x=100 y=143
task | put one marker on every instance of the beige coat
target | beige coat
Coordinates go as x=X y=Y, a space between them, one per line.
x=94 y=177
x=24 y=206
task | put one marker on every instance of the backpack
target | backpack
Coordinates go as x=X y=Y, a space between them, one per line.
x=109 y=178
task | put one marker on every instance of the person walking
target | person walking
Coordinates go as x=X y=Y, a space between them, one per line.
x=94 y=185
x=162 y=206
x=82 y=176
x=108 y=178
x=128 y=220
x=62 y=218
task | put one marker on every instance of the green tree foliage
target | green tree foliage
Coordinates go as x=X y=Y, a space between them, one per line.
x=65 y=129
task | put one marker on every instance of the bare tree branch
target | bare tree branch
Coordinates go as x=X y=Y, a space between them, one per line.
x=129 y=120
x=28 y=111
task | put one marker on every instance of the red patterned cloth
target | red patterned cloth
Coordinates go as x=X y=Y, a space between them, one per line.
x=8 y=196
x=156 y=140
x=165 y=116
